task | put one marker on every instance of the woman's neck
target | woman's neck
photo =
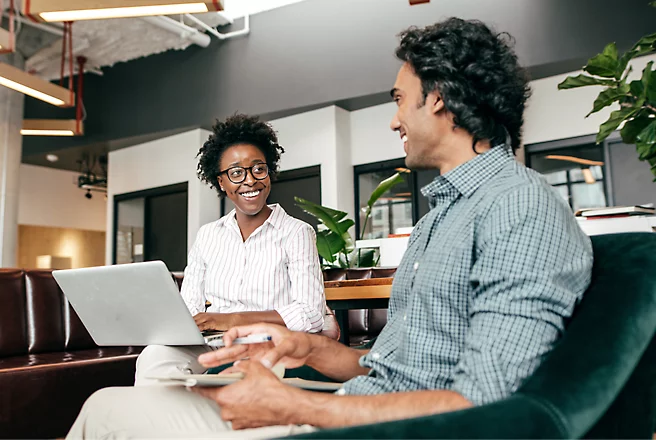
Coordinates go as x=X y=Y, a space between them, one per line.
x=249 y=223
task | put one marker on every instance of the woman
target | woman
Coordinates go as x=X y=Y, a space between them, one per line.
x=256 y=264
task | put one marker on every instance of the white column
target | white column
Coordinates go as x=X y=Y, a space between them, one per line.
x=11 y=143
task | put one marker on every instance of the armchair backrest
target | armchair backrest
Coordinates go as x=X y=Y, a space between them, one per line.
x=600 y=380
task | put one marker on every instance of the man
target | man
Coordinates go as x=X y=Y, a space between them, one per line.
x=489 y=278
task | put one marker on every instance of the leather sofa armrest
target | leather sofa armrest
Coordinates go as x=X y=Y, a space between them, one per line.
x=516 y=417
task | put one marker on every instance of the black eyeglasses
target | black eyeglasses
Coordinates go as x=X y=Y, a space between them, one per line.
x=238 y=174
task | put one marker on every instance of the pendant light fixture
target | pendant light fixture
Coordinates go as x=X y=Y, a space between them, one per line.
x=35 y=87
x=63 y=127
x=76 y=10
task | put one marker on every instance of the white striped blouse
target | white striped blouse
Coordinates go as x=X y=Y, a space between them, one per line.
x=276 y=268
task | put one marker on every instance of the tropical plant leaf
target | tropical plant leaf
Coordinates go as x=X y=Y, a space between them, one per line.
x=614 y=121
x=572 y=82
x=609 y=96
x=646 y=151
x=329 y=245
x=651 y=87
x=383 y=187
x=637 y=88
x=327 y=216
x=366 y=258
x=648 y=134
x=646 y=80
x=606 y=64
x=633 y=127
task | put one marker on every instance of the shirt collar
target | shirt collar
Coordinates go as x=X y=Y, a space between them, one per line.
x=465 y=179
x=276 y=218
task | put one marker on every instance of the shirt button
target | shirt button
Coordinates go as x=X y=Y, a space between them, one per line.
x=416 y=266
x=376 y=356
x=340 y=392
x=405 y=317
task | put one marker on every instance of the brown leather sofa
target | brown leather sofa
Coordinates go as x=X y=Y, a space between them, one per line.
x=49 y=364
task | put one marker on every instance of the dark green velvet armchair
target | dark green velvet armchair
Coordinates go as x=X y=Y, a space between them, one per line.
x=600 y=380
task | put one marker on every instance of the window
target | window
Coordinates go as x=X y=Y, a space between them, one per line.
x=577 y=171
x=397 y=210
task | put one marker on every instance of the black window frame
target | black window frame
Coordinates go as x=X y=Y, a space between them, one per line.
x=145 y=194
x=385 y=165
x=565 y=144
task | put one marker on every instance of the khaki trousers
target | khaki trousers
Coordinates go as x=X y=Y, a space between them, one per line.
x=161 y=412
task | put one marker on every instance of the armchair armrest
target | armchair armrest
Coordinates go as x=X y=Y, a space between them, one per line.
x=519 y=416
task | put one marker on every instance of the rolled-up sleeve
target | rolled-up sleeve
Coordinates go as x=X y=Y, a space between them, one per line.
x=192 y=290
x=306 y=310
x=532 y=265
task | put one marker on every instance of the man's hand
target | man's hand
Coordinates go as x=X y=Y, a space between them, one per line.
x=291 y=349
x=213 y=321
x=258 y=400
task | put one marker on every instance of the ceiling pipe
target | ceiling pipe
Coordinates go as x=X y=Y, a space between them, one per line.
x=187 y=32
x=44 y=27
x=219 y=35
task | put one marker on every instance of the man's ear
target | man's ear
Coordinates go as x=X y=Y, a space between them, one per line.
x=434 y=102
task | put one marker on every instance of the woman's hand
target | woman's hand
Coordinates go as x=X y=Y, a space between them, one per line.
x=213 y=321
x=291 y=349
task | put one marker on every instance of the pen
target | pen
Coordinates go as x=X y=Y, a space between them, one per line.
x=257 y=338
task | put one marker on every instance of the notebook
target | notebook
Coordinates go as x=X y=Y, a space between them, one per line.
x=217 y=380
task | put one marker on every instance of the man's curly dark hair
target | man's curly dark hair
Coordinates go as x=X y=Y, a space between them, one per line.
x=476 y=73
x=237 y=129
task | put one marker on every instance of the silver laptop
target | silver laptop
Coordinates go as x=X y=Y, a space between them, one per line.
x=131 y=304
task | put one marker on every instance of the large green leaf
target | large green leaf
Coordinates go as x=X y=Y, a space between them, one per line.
x=329 y=245
x=572 y=82
x=633 y=127
x=384 y=186
x=647 y=75
x=365 y=258
x=327 y=216
x=606 y=64
x=651 y=87
x=648 y=134
x=614 y=121
x=609 y=96
x=646 y=151
x=637 y=88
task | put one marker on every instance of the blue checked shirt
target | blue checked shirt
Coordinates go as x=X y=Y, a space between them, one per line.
x=482 y=294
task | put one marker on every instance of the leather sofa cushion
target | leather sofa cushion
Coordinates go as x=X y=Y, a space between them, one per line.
x=65 y=359
x=13 y=333
x=45 y=323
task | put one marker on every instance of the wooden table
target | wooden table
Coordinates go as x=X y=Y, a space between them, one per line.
x=342 y=296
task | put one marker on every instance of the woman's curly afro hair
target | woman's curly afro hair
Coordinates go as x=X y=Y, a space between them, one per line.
x=476 y=73
x=235 y=130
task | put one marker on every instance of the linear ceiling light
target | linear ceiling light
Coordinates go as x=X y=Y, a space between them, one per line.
x=34 y=86
x=51 y=127
x=76 y=10
x=5 y=40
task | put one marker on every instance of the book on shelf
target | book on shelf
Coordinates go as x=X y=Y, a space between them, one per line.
x=615 y=211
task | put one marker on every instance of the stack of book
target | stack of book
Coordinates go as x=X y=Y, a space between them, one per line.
x=614 y=212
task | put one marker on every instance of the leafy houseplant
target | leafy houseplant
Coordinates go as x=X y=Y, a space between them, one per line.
x=637 y=99
x=334 y=243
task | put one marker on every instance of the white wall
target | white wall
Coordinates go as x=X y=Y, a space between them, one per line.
x=320 y=137
x=371 y=137
x=160 y=163
x=50 y=197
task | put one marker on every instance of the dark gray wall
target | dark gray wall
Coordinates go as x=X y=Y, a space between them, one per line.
x=324 y=51
x=632 y=180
